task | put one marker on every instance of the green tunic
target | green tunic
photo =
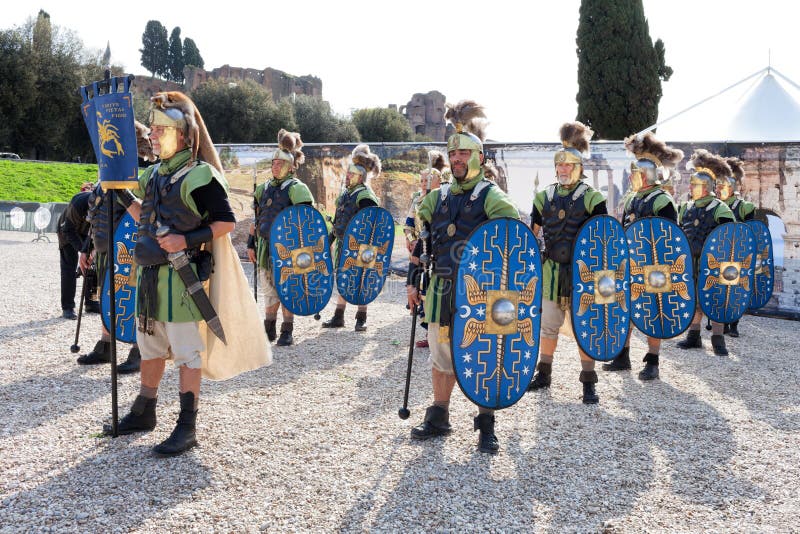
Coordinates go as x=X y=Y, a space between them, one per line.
x=591 y=199
x=744 y=209
x=721 y=212
x=497 y=204
x=174 y=303
x=659 y=204
x=298 y=194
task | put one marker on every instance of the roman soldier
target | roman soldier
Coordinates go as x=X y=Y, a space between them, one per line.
x=451 y=212
x=356 y=196
x=431 y=178
x=654 y=161
x=184 y=222
x=728 y=191
x=697 y=218
x=284 y=190
x=559 y=211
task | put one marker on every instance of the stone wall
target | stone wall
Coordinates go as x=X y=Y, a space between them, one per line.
x=280 y=83
x=425 y=114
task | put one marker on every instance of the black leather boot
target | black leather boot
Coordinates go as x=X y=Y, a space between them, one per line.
x=650 y=371
x=435 y=424
x=100 y=354
x=337 y=321
x=286 y=338
x=718 y=343
x=734 y=329
x=269 y=328
x=487 y=441
x=91 y=306
x=542 y=377
x=132 y=364
x=692 y=341
x=183 y=435
x=621 y=363
x=141 y=418
x=361 y=321
x=589 y=379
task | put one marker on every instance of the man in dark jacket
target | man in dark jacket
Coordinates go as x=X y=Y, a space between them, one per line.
x=73 y=232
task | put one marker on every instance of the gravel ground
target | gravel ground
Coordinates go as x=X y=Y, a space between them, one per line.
x=313 y=443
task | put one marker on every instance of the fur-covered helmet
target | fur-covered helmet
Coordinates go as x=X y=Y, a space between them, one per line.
x=436 y=169
x=364 y=162
x=575 y=137
x=653 y=156
x=175 y=109
x=144 y=146
x=469 y=119
x=728 y=186
x=706 y=168
x=289 y=152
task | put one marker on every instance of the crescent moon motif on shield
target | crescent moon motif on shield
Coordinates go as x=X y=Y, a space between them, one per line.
x=279 y=263
x=325 y=255
x=625 y=285
x=706 y=272
x=685 y=277
x=580 y=288
x=532 y=311
x=465 y=314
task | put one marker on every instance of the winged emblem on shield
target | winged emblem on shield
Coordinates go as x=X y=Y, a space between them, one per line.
x=727 y=268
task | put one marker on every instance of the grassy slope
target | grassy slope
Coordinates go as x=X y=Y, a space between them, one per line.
x=43 y=182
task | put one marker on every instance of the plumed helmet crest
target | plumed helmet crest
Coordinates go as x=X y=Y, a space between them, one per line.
x=468 y=117
x=576 y=135
x=363 y=157
x=737 y=168
x=648 y=146
x=703 y=159
x=438 y=160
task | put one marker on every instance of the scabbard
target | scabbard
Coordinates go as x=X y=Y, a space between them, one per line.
x=180 y=263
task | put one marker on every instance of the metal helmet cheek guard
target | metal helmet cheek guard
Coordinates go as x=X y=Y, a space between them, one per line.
x=726 y=187
x=573 y=156
x=702 y=183
x=467 y=141
x=287 y=162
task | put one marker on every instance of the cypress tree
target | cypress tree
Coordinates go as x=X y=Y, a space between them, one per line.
x=155 y=49
x=191 y=55
x=176 y=55
x=619 y=69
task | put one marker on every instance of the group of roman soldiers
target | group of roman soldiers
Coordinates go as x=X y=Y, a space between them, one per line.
x=182 y=210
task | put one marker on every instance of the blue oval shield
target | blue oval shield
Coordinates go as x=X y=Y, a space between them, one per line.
x=366 y=255
x=764 y=265
x=495 y=331
x=302 y=268
x=600 y=308
x=124 y=282
x=727 y=272
x=662 y=280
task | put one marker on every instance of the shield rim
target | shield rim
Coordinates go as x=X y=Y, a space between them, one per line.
x=326 y=300
x=572 y=299
x=538 y=334
x=691 y=264
x=388 y=265
x=699 y=268
x=772 y=261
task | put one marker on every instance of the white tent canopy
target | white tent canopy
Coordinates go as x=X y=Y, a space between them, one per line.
x=764 y=106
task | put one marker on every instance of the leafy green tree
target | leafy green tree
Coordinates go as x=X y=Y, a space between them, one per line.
x=176 y=56
x=191 y=55
x=619 y=69
x=155 y=49
x=241 y=112
x=17 y=87
x=317 y=123
x=382 y=125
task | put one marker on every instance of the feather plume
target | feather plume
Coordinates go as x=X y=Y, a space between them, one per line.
x=364 y=157
x=576 y=135
x=469 y=115
x=737 y=167
x=438 y=160
x=648 y=143
x=704 y=158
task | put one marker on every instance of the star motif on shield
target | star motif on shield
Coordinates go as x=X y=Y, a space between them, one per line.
x=527 y=355
x=526 y=370
x=532 y=267
x=127 y=236
x=474 y=251
x=467 y=357
x=532 y=252
x=584 y=335
x=583 y=241
x=480 y=312
x=637 y=315
x=468 y=373
x=473 y=266
x=685 y=315
x=583 y=323
x=638 y=306
x=127 y=224
x=583 y=253
x=623 y=329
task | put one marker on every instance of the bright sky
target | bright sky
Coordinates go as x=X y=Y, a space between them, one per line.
x=516 y=58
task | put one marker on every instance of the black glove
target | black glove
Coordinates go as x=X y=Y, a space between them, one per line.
x=197 y=237
x=251 y=242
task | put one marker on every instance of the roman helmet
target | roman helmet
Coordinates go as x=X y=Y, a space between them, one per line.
x=706 y=167
x=364 y=164
x=728 y=186
x=176 y=111
x=289 y=153
x=575 y=137
x=469 y=119
x=653 y=160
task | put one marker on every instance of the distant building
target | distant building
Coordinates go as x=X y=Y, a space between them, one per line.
x=278 y=82
x=425 y=114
